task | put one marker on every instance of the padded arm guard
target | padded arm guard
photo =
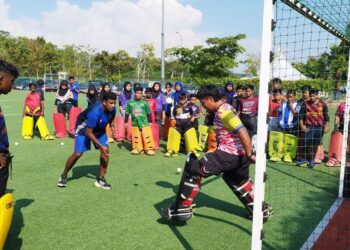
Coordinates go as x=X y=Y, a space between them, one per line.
x=231 y=121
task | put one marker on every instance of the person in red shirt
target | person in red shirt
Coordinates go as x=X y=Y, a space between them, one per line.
x=313 y=120
x=248 y=110
x=33 y=104
x=33 y=115
x=275 y=134
x=152 y=103
x=274 y=104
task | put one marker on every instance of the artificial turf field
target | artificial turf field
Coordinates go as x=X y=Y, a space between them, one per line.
x=81 y=216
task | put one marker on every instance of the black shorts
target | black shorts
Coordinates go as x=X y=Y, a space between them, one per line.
x=220 y=162
x=74 y=103
x=183 y=128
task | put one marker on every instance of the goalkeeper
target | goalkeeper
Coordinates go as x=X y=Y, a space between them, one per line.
x=231 y=159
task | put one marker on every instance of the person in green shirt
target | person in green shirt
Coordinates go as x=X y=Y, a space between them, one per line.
x=141 y=132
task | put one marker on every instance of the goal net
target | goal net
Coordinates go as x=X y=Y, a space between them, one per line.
x=306 y=146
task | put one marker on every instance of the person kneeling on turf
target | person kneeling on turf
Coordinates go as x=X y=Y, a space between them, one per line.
x=91 y=126
x=141 y=132
x=33 y=115
x=184 y=117
x=231 y=159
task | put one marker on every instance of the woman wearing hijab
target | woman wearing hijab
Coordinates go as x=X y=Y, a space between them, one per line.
x=91 y=95
x=158 y=95
x=105 y=88
x=125 y=96
x=178 y=90
x=229 y=92
x=63 y=99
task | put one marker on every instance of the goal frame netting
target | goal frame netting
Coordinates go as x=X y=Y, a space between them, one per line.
x=265 y=79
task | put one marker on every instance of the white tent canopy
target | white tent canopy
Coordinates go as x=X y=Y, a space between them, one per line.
x=284 y=70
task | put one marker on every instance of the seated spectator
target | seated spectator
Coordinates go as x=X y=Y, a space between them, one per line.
x=63 y=99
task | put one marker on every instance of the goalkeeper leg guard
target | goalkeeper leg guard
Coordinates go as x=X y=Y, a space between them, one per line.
x=119 y=132
x=155 y=132
x=245 y=193
x=203 y=136
x=191 y=141
x=335 y=145
x=212 y=144
x=136 y=141
x=109 y=133
x=27 y=127
x=173 y=144
x=166 y=127
x=6 y=214
x=148 y=142
x=43 y=129
x=189 y=187
x=275 y=146
x=59 y=122
x=290 y=147
x=319 y=155
x=128 y=130
x=73 y=115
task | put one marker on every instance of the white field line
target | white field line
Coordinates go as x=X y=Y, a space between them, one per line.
x=322 y=225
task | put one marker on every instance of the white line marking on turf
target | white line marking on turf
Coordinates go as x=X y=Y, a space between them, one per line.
x=322 y=225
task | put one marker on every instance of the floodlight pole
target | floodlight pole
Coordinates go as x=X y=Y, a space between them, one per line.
x=260 y=165
x=345 y=135
x=182 y=72
x=162 y=52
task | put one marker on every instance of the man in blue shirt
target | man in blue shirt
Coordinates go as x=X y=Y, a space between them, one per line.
x=8 y=73
x=75 y=89
x=91 y=127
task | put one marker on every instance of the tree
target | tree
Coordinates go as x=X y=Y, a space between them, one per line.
x=252 y=65
x=146 y=61
x=215 y=60
x=329 y=65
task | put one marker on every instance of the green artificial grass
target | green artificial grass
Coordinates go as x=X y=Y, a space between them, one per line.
x=81 y=216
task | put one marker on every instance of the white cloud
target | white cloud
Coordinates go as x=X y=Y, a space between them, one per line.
x=111 y=25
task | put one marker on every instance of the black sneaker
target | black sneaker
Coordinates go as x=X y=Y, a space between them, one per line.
x=102 y=183
x=62 y=181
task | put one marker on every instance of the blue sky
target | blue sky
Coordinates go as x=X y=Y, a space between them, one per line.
x=228 y=17
x=206 y=18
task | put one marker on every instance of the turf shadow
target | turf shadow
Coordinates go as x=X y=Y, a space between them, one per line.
x=89 y=171
x=124 y=145
x=202 y=200
x=14 y=242
x=327 y=189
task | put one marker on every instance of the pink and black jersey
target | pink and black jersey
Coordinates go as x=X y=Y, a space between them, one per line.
x=228 y=140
